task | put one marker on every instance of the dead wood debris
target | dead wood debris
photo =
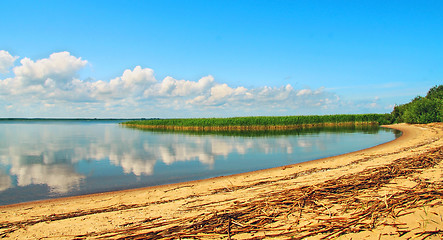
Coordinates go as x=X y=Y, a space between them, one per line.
x=346 y=204
x=334 y=207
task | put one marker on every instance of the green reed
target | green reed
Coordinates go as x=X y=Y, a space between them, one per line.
x=266 y=120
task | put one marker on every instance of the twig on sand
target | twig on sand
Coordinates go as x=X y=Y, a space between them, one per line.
x=330 y=209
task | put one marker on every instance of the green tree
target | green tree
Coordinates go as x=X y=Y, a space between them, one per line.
x=423 y=110
x=435 y=92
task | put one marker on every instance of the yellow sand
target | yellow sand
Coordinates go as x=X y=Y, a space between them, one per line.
x=124 y=209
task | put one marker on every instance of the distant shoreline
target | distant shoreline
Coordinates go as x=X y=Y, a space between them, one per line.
x=70 y=119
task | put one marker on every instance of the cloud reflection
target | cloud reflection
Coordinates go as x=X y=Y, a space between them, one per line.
x=51 y=154
x=5 y=181
x=60 y=178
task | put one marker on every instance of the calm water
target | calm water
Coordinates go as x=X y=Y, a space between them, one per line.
x=49 y=159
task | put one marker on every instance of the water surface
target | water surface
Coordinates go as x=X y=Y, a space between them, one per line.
x=49 y=159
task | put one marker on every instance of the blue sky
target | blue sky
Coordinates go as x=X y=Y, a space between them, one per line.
x=216 y=58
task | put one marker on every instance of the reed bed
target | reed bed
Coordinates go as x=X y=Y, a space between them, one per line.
x=348 y=204
x=260 y=123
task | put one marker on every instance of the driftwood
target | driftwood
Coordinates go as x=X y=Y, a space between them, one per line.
x=357 y=211
x=350 y=203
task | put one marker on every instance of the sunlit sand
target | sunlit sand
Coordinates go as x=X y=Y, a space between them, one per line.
x=389 y=191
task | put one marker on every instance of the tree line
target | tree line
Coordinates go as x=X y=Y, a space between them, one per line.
x=421 y=109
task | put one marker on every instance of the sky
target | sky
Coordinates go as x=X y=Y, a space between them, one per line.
x=174 y=59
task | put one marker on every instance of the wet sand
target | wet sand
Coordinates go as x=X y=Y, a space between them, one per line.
x=281 y=202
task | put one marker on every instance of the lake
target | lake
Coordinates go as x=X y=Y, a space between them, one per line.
x=51 y=159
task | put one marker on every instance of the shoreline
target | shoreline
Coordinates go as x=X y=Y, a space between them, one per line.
x=405 y=134
x=103 y=213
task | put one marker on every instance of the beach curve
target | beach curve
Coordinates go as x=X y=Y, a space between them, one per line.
x=166 y=211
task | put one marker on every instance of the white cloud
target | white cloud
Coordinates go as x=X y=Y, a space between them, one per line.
x=60 y=67
x=38 y=81
x=138 y=77
x=171 y=87
x=130 y=85
x=6 y=61
x=304 y=92
x=54 y=82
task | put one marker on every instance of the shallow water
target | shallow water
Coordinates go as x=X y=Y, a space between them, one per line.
x=49 y=159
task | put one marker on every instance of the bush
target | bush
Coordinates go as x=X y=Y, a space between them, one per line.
x=435 y=93
x=423 y=110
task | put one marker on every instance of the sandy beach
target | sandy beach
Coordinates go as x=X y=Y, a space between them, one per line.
x=390 y=191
